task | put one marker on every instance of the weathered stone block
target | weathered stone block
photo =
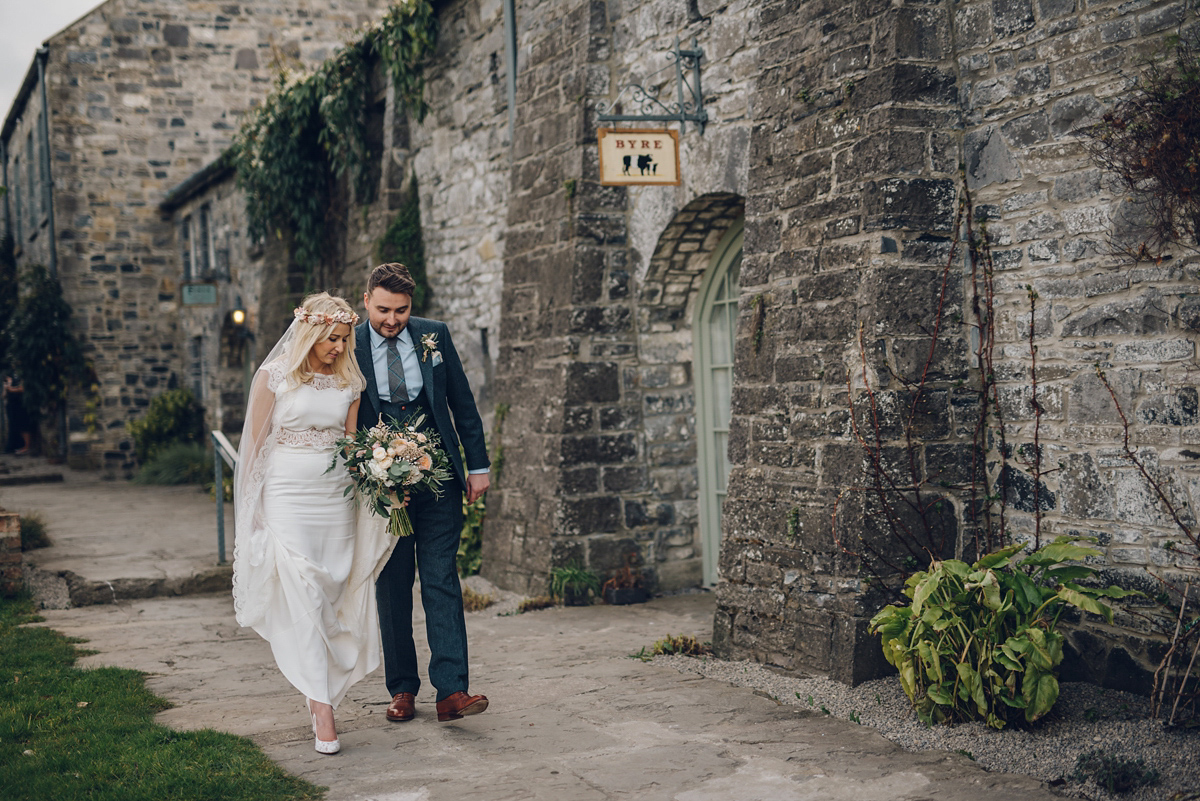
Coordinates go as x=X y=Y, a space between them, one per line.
x=989 y=160
x=920 y=204
x=595 y=382
x=1011 y=16
x=1174 y=409
x=1071 y=113
x=589 y=516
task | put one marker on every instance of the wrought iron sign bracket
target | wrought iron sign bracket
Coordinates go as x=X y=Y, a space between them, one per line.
x=689 y=108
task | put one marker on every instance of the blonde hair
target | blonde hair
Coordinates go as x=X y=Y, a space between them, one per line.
x=296 y=366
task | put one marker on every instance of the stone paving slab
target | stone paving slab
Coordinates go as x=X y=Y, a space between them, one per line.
x=572 y=716
x=115 y=540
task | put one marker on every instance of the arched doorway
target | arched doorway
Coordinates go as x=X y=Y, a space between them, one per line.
x=713 y=331
x=664 y=511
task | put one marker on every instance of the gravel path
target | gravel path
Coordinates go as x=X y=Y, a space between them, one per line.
x=1086 y=718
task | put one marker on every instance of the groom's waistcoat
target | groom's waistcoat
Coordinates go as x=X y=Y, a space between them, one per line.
x=434 y=401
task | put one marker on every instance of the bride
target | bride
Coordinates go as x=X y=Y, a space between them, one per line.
x=305 y=554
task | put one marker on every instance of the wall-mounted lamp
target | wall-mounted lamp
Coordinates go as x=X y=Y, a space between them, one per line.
x=238 y=315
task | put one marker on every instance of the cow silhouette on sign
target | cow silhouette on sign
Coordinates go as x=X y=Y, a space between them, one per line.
x=646 y=163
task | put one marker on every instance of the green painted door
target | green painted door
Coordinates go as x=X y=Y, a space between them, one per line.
x=713 y=332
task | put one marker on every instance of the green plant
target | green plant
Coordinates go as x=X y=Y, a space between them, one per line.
x=1114 y=773
x=760 y=321
x=9 y=295
x=470 y=544
x=684 y=644
x=474 y=601
x=41 y=344
x=498 y=440
x=627 y=577
x=404 y=243
x=793 y=524
x=311 y=129
x=177 y=463
x=574 y=579
x=981 y=641
x=172 y=417
x=70 y=733
x=33 y=532
x=535 y=603
x=1150 y=143
x=210 y=486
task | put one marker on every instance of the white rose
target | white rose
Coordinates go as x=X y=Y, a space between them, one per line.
x=379 y=454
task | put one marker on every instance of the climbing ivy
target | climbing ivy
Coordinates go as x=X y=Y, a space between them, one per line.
x=402 y=242
x=311 y=130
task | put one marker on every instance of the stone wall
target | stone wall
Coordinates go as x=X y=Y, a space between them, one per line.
x=600 y=285
x=143 y=95
x=864 y=115
x=459 y=156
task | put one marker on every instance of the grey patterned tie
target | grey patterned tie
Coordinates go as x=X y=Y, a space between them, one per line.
x=395 y=366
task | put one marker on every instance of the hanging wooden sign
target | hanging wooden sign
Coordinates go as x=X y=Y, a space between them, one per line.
x=631 y=157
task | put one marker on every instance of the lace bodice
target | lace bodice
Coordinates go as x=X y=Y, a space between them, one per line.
x=311 y=415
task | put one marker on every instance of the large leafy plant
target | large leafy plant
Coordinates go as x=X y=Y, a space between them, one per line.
x=41 y=342
x=981 y=641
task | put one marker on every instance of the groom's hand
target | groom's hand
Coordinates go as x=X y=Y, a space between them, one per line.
x=477 y=484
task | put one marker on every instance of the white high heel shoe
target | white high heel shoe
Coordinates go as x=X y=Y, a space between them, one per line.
x=322 y=746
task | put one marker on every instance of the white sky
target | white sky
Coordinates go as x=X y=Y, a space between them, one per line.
x=24 y=25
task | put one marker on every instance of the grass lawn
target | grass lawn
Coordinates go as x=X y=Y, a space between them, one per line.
x=69 y=733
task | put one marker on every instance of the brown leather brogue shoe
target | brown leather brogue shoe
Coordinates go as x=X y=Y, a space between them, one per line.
x=401 y=708
x=459 y=705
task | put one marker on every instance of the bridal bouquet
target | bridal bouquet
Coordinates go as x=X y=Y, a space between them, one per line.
x=387 y=462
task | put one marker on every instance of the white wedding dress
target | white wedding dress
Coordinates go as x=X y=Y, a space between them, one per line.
x=304 y=578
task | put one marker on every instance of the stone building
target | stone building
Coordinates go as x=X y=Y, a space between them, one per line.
x=141 y=95
x=676 y=378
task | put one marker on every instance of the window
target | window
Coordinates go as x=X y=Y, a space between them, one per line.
x=185 y=247
x=31 y=187
x=714 y=333
x=196 y=367
x=44 y=163
x=16 y=190
x=203 y=249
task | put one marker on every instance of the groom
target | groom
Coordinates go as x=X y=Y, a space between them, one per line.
x=412 y=369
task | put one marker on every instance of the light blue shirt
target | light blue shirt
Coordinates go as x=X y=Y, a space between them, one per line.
x=413 y=379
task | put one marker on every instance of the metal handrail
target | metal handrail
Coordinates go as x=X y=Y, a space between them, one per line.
x=223 y=448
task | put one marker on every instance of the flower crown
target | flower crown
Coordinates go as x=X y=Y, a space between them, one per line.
x=320 y=318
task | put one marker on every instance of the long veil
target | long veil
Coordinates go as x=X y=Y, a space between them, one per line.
x=254 y=449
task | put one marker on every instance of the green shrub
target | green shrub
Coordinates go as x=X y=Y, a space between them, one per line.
x=177 y=463
x=41 y=342
x=572 y=578
x=1114 y=773
x=402 y=242
x=33 y=532
x=470 y=544
x=174 y=416
x=981 y=641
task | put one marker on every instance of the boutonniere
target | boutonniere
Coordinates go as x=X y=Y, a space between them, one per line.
x=429 y=343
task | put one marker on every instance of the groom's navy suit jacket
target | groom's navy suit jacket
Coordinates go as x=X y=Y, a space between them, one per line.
x=446 y=392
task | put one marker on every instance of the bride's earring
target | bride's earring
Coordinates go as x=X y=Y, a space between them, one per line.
x=322 y=746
